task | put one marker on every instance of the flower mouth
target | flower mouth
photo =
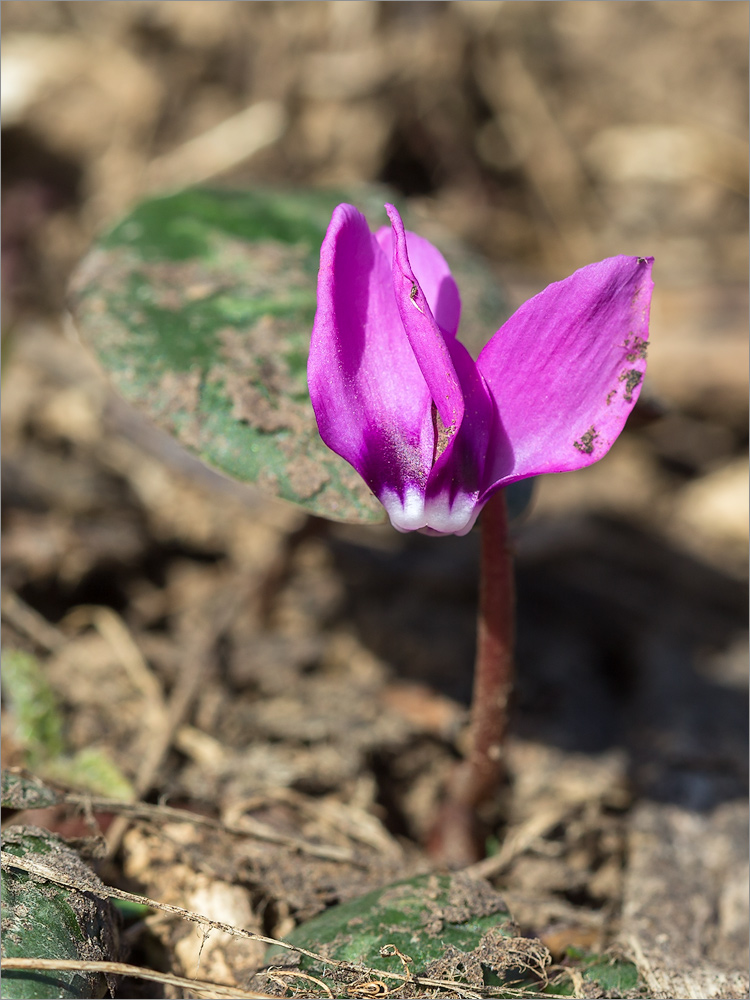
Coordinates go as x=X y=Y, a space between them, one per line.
x=430 y=515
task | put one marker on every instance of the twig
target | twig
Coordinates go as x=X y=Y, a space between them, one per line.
x=113 y=630
x=277 y=976
x=520 y=838
x=202 y=628
x=62 y=878
x=252 y=828
x=177 y=708
x=345 y=819
x=231 y=142
x=122 y=969
x=28 y=621
x=551 y=163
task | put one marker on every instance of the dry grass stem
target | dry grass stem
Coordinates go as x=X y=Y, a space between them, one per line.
x=209 y=990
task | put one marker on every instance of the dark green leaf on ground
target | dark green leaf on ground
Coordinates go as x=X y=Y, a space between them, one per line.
x=41 y=919
x=446 y=927
x=20 y=791
x=616 y=976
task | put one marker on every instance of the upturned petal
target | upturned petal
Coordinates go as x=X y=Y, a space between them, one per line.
x=427 y=341
x=370 y=397
x=433 y=277
x=566 y=369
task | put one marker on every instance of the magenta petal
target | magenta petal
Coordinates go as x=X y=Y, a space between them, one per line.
x=427 y=341
x=370 y=398
x=566 y=369
x=459 y=473
x=433 y=276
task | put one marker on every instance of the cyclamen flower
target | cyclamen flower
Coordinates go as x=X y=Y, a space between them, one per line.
x=432 y=432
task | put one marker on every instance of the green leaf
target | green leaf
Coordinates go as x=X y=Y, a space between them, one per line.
x=199 y=306
x=449 y=926
x=21 y=791
x=44 y=920
x=616 y=976
x=130 y=910
x=93 y=770
x=37 y=718
x=39 y=728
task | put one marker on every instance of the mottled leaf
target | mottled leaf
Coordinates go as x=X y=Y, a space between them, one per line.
x=446 y=927
x=21 y=791
x=44 y=920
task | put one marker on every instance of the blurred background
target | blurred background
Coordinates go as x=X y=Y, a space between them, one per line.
x=545 y=136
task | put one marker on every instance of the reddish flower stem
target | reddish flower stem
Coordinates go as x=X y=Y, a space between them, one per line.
x=456 y=839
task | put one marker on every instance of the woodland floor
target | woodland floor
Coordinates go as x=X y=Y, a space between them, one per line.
x=306 y=683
